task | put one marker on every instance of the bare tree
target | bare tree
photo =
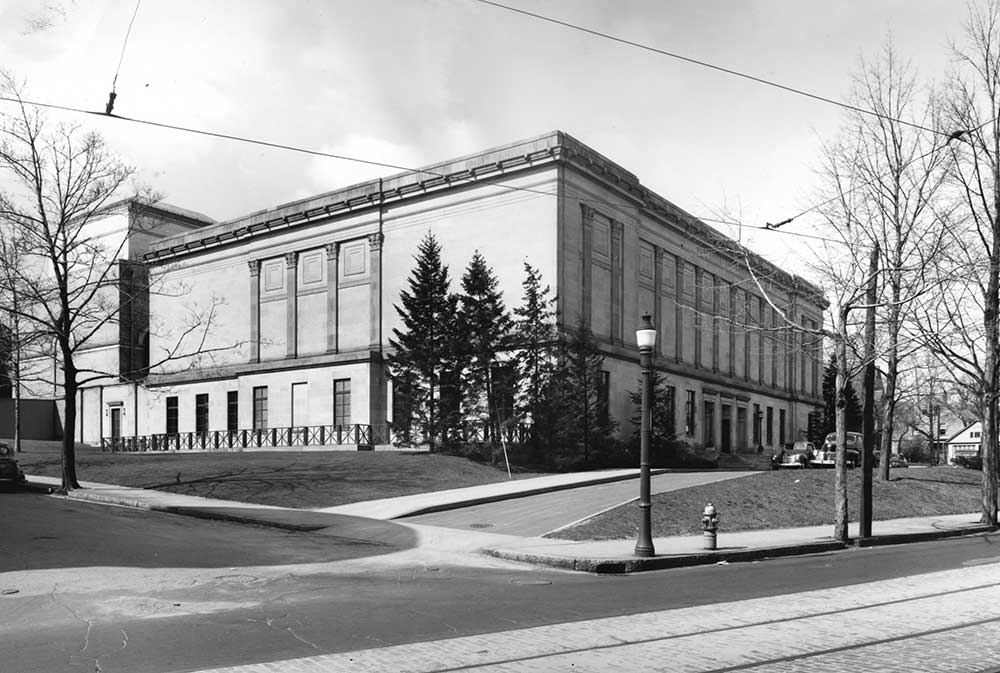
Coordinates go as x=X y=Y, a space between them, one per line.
x=972 y=107
x=900 y=170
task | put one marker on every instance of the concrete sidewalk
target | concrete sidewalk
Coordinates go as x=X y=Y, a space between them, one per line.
x=616 y=556
x=436 y=501
x=609 y=556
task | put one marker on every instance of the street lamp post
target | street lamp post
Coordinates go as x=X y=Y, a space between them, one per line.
x=645 y=336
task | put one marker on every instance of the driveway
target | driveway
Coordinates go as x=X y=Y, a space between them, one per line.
x=536 y=515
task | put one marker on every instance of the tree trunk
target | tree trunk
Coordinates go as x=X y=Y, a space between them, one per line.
x=69 y=480
x=840 y=531
x=891 y=378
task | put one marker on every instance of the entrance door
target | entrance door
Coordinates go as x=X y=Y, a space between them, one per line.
x=727 y=434
x=116 y=422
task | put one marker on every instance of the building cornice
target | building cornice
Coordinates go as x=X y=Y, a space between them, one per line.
x=482 y=168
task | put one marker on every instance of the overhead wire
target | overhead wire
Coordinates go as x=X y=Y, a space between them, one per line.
x=110 y=106
x=705 y=64
x=331 y=155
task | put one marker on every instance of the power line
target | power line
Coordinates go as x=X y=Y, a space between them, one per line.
x=705 y=64
x=331 y=155
x=114 y=82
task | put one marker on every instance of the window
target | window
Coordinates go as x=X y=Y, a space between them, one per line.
x=757 y=418
x=689 y=412
x=260 y=408
x=770 y=426
x=504 y=384
x=171 y=415
x=342 y=402
x=671 y=409
x=233 y=410
x=781 y=427
x=201 y=413
x=603 y=397
x=741 y=428
x=709 y=424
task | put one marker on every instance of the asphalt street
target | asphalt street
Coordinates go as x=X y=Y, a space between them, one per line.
x=137 y=591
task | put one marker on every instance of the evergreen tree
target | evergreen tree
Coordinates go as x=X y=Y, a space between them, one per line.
x=583 y=428
x=486 y=329
x=535 y=339
x=664 y=447
x=829 y=415
x=424 y=351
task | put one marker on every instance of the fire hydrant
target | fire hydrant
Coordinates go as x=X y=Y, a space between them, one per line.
x=710 y=522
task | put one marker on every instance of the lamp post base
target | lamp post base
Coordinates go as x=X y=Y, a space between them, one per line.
x=644 y=551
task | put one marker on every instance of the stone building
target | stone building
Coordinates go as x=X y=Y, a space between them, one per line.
x=280 y=319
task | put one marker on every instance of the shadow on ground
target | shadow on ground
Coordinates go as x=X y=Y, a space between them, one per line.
x=39 y=531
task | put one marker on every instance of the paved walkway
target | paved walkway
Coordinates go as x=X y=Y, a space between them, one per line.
x=595 y=556
x=536 y=515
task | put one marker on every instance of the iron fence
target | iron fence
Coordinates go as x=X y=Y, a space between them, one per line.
x=358 y=434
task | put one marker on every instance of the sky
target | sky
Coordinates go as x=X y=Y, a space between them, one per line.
x=412 y=82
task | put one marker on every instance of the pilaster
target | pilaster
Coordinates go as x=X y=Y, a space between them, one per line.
x=375 y=242
x=291 y=304
x=586 y=261
x=254 y=265
x=617 y=278
x=332 y=297
x=658 y=298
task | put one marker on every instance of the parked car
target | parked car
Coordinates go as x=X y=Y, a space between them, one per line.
x=827 y=457
x=10 y=472
x=898 y=461
x=799 y=454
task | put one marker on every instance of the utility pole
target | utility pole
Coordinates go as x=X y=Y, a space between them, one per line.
x=868 y=413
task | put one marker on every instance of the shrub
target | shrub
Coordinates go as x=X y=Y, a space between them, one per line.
x=969 y=462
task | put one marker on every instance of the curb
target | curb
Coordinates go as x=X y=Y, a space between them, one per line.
x=633 y=565
x=482 y=500
x=904 y=538
x=237 y=518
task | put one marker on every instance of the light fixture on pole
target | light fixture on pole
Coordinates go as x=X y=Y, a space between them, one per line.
x=645 y=336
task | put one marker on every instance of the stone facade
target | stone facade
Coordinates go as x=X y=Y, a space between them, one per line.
x=299 y=300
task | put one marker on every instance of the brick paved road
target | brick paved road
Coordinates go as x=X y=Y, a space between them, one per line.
x=946 y=621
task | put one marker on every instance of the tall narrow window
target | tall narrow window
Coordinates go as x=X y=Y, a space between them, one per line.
x=260 y=408
x=757 y=414
x=342 y=402
x=671 y=409
x=781 y=427
x=201 y=413
x=709 y=424
x=504 y=385
x=603 y=397
x=769 y=426
x=689 y=412
x=233 y=410
x=171 y=415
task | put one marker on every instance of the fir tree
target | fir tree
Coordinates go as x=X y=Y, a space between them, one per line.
x=583 y=428
x=424 y=350
x=663 y=444
x=829 y=416
x=535 y=339
x=486 y=329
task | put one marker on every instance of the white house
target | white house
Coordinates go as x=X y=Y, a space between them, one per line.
x=967 y=442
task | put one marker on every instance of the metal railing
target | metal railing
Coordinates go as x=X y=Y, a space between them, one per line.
x=358 y=434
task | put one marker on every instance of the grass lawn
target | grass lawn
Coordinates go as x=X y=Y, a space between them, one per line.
x=287 y=479
x=790 y=498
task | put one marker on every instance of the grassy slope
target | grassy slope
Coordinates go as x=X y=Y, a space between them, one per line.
x=790 y=498
x=300 y=479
